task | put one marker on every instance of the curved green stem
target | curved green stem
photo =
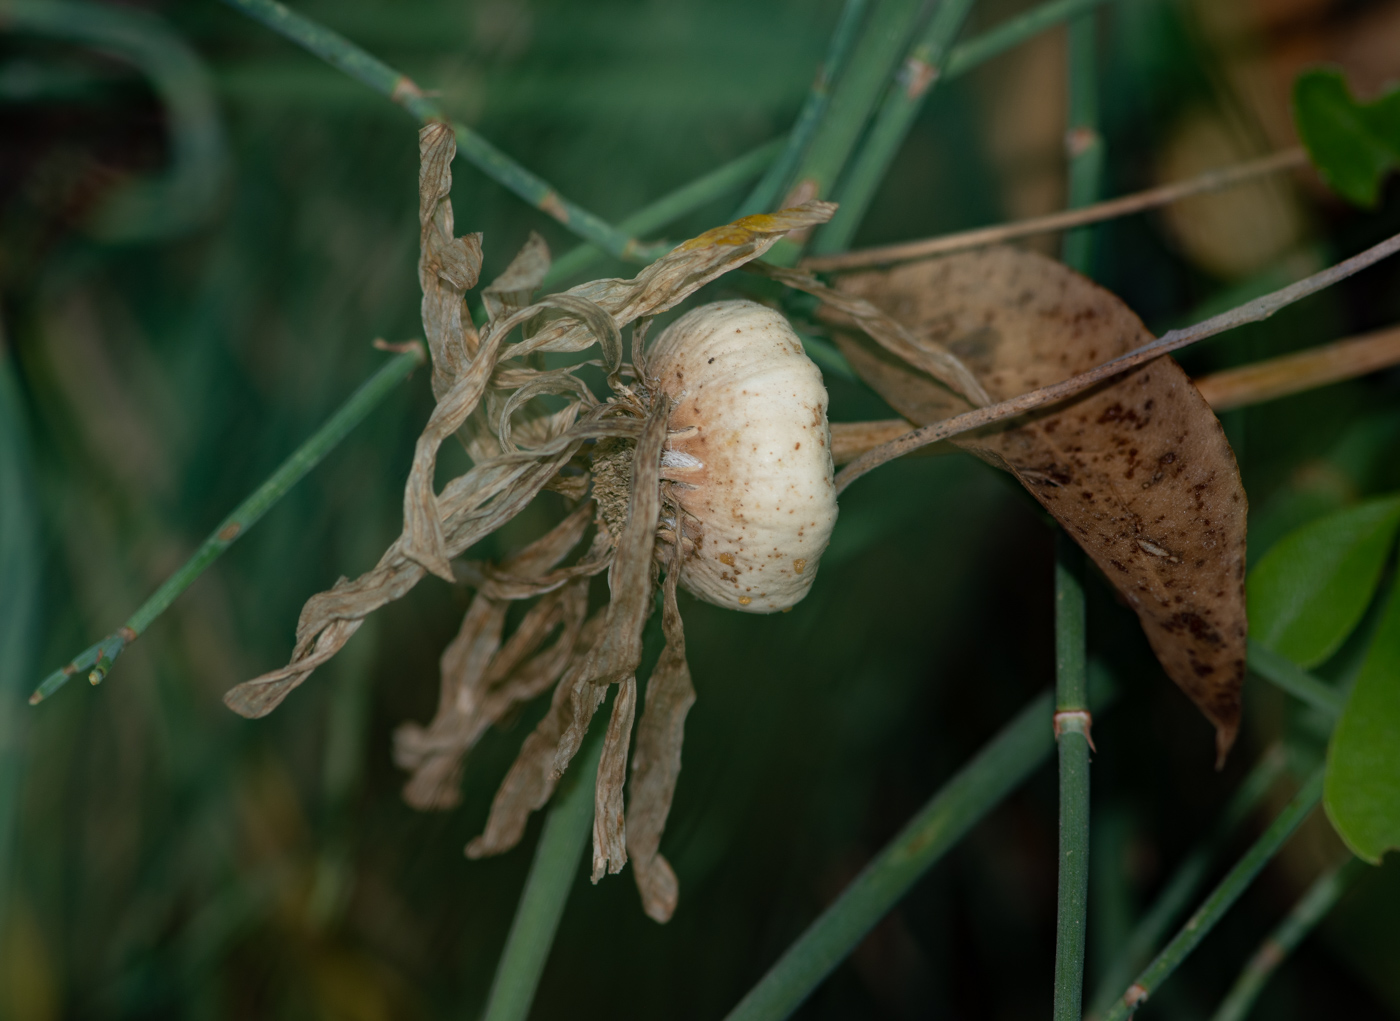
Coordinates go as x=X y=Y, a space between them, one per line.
x=98 y=657
x=1221 y=899
x=184 y=196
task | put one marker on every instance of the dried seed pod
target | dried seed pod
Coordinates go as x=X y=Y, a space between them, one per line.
x=749 y=454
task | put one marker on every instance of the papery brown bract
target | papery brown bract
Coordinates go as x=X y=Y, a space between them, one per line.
x=1137 y=470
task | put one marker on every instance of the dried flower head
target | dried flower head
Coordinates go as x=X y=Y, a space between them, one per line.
x=646 y=465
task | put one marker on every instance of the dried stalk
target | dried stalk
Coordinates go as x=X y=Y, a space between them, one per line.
x=1250 y=312
x=1111 y=209
x=1250 y=384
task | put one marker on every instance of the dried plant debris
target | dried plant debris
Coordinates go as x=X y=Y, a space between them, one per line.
x=1137 y=470
x=613 y=457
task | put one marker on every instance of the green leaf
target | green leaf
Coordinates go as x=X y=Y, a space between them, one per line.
x=1352 y=144
x=1311 y=589
x=1362 y=791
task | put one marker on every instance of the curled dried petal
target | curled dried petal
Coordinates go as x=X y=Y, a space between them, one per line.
x=630 y=585
x=448 y=267
x=258 y=697
x=513 y=289
x=656 y=762
x=926 y=354
x=531 y=779
x=609 y=828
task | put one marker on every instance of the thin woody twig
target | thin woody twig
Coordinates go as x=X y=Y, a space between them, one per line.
x=1233 y=388
x=1303 y=370
x=1213 y=180
x=1250 y=312
x=336 y=50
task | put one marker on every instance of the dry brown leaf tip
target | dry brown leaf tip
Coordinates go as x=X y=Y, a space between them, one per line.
x=1137 y=470
x=631 y=463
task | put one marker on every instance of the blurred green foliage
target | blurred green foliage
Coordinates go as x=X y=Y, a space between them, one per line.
x=166 y=858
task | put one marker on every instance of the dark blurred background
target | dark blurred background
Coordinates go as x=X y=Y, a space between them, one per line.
x=161 y=857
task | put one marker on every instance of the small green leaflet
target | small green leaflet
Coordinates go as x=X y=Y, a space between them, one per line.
x=1352 y=144
x=1362 y=790
x=1310 y=590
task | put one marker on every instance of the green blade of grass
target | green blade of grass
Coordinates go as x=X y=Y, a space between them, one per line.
x=339 y=52
x=1000 y=767
x=1184 y=883
x=541 y=905
x=1071 y=727
x=98 y=657
x=1321 y=897
x=769 y=191
x=1221 y=899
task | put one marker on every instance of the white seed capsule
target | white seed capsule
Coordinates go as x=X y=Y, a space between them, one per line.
x=750 y=451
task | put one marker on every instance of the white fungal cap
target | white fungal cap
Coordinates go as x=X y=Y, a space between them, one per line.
x=750 y=451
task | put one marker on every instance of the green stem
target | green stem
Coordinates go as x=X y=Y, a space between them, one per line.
x=1185 y=882
x=684 y=200
x=1321 y=897
x=903 y=100
x=1284 y=673
x=1071 y=726
x=1221 y=899
x=885 y=38
x=99 y=657
x=1009 y=34
x=770 y=190
x=547 y=887
x=999 y=768
x=340 y=52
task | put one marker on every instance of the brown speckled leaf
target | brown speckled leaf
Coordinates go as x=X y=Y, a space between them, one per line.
x=1137 y=470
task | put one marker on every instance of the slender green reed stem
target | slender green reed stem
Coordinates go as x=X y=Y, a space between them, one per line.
x=1083 y=143
x=1321 y=897
x=1185 y=882
x=684 y=200
x=1282 y=672
x=1072 y=703
x=1072 y=735
x=905 y=97
x=773 y=186
x=999 y=768
x=884 y=40
x=99 y=657
x=552 y=875
x=1221 y=899
x=340 y=52
x=993 y=43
